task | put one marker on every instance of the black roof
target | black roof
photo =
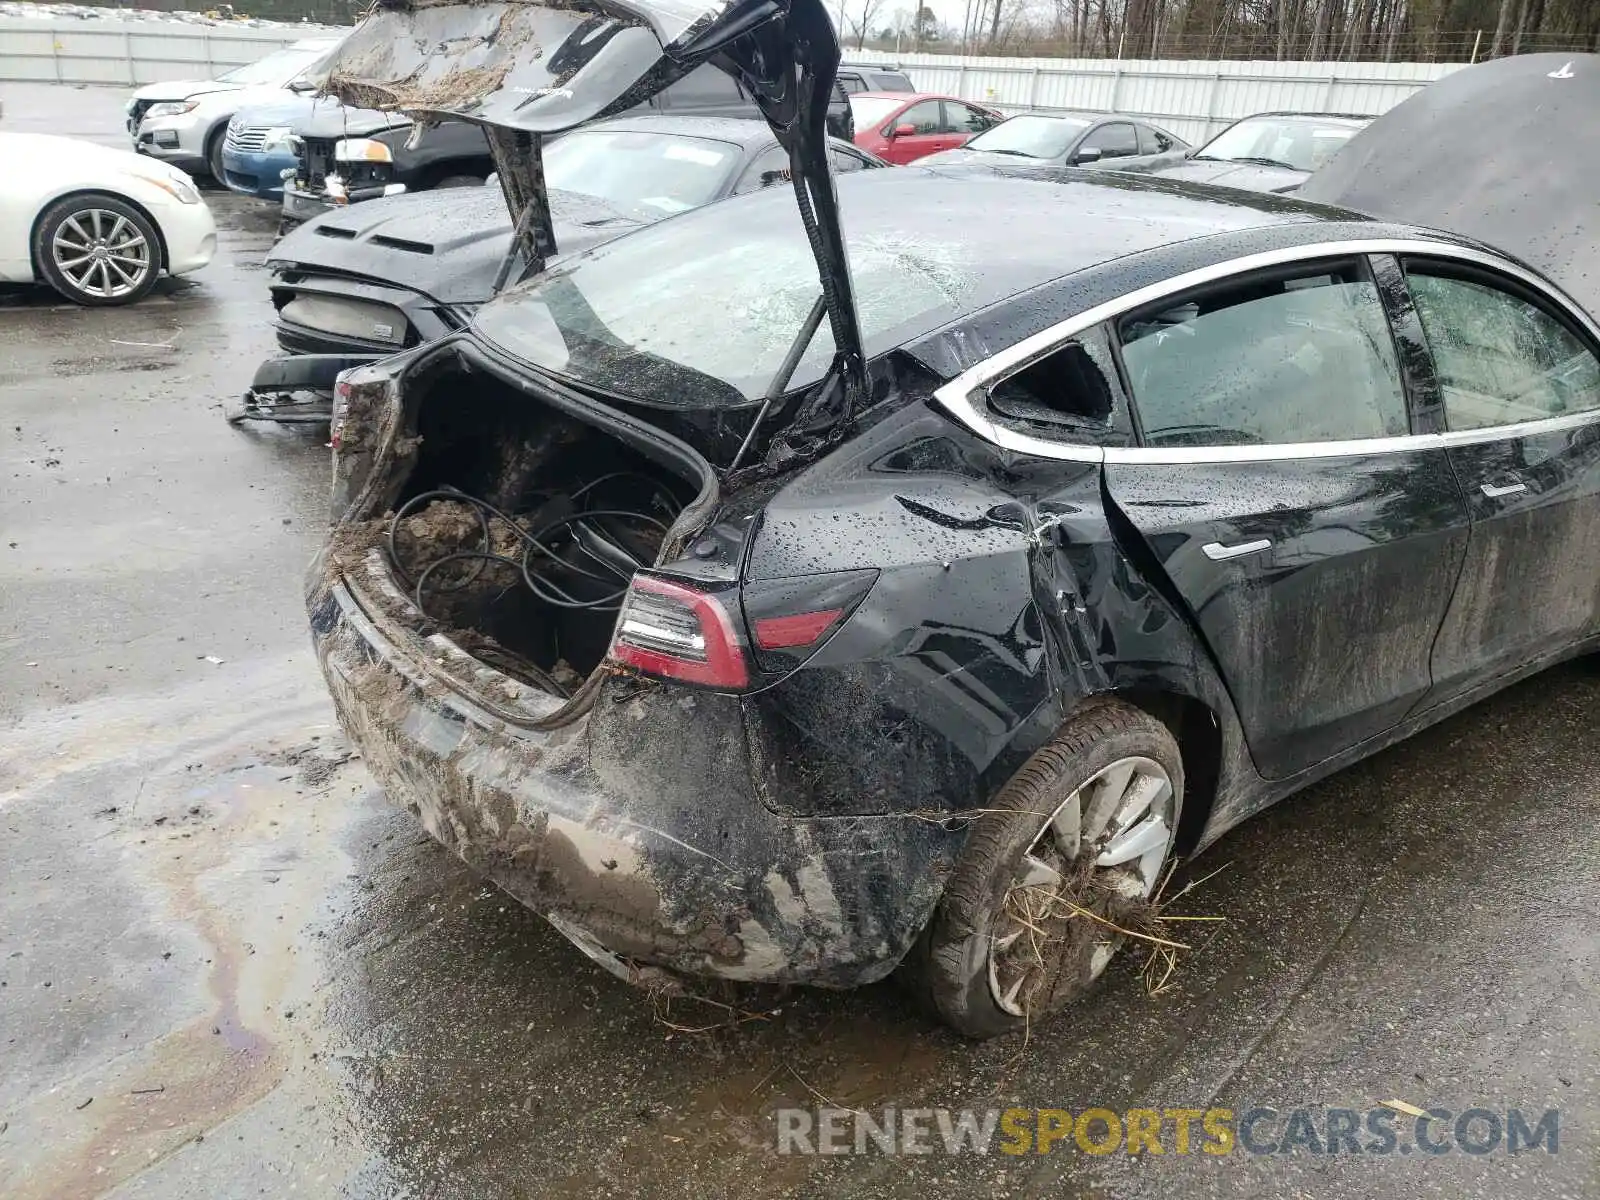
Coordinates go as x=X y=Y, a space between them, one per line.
x=1020 y=227
x=986 y=234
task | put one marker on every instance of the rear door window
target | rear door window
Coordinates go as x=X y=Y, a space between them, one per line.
x=1500 y=358
x=704 y=87
x=963 y=118
x=1275 y=358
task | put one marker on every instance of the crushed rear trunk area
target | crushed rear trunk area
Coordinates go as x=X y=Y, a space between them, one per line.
x=515 y=527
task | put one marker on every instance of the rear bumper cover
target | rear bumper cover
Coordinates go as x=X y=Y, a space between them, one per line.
x=696 y=880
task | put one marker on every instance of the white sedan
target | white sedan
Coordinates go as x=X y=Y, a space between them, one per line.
x=98 y=225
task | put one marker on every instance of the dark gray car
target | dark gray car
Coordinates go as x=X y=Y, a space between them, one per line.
x=1069 y=139
x=1269 y=152
x=338 y=164
x=367 y=280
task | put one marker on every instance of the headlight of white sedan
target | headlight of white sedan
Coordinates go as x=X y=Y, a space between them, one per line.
x=172 y=181
x=172 y=108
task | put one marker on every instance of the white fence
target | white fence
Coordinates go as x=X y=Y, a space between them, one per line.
x=133 y=52
x=1192 y=98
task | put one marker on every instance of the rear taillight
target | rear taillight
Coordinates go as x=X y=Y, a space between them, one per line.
x=341 y=401
x=676 y=632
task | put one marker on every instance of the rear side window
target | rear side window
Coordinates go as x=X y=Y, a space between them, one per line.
x=843 y=160
x=769 y=167
x=1072 y=393
x=1500 y=358
x=1153 y=140
x=1279 y=358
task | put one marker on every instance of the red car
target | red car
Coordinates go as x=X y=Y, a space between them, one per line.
x=903 y=126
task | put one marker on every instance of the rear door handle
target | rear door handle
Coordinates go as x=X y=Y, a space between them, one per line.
x=1509 y=489
x=1217 y=552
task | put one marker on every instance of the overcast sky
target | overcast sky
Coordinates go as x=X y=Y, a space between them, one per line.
x=949 y=12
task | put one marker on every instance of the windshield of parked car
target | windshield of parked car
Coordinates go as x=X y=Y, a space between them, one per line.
x=1299 y=143
x=698 y=312
x=277 y=68
x=656 y=172
x=871 y=111
x=1031 y=136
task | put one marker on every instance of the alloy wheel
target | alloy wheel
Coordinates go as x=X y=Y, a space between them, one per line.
x=102 y=253
x=1107 y=841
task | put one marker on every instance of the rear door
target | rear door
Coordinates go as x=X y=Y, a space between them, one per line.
x=965 y=122
x=1313 y=539
x=1519 y=382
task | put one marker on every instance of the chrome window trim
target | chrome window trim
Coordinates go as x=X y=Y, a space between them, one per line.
x=962 y=398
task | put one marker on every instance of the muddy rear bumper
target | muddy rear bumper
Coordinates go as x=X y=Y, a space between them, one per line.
x=698 y=880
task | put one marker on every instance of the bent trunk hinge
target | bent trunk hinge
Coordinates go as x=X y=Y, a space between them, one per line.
x=520 y=158
x=789 y=65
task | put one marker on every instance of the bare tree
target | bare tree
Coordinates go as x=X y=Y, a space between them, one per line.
x=863 y=22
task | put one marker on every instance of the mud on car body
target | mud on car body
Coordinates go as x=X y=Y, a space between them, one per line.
x=764 y=626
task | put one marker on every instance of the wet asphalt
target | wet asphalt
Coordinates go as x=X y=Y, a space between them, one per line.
x=228 y=968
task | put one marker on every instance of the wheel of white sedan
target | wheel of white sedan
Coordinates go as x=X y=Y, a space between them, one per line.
x=97 y=250
x=1070 y=850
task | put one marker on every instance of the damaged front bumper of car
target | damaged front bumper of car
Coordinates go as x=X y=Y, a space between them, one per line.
x=635 y=828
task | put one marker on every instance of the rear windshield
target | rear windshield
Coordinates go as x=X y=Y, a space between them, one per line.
x=276 y=68
x=660 y=173
x=872 y=111
x=699 y=311
x=1030 y=137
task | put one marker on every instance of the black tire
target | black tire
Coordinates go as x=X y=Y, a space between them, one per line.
x=74 y=215
x=214 y=154
x=949 y=970
x=457 y=181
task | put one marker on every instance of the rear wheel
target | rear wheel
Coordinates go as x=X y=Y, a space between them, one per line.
x=1073 y=847
x=97 y=250
x=457 y=181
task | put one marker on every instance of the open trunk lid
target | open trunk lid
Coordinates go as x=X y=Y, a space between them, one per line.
x=525 y=69
x=1507 y=152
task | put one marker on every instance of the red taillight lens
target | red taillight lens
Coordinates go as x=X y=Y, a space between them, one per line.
x=801 y=629
x=676 y=632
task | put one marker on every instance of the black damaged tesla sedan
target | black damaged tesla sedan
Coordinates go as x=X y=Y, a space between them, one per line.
x=774 y=598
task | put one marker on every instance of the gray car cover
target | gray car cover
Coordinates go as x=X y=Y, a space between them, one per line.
x=1507 y=152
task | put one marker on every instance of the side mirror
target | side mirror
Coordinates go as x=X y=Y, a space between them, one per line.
x=1088 y=155
x=900 y=131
